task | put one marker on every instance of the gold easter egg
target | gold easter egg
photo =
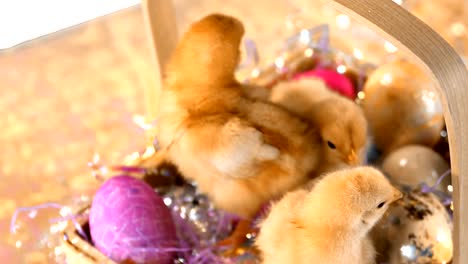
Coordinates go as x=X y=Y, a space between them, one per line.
x=402 y=106
x=415 y=164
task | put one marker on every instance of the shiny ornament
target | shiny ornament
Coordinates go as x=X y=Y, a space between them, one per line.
x=412 y=165
x=200 y=226
x=335 y=81
x=129 y=221
x=198 y=214
x=414 y=230
x=402 y=107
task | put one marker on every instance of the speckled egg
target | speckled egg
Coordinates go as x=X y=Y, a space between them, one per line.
x=414 y=164
x=402 y=106
x=414 y=230
x=129 y=221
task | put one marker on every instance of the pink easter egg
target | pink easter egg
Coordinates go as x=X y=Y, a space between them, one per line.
x=129 y=221
x=334 y=80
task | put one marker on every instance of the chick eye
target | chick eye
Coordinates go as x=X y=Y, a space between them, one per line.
x=381 y=205
x=331 y=145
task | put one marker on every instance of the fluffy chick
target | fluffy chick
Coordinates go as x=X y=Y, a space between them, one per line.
x=241 y=151
x=341 y=123
x=330 y=223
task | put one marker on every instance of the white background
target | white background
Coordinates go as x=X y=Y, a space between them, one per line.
x=23 y=20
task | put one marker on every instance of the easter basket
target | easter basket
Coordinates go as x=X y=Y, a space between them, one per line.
x=427 y=49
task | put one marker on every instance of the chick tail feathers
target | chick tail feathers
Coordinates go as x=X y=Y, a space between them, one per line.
x=208 y=53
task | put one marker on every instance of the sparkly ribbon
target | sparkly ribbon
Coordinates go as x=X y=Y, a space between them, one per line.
x=426 y=188
x=73 y=218
x=446 y=199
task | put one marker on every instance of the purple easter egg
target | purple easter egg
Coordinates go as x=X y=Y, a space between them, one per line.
x=334 y=80
x=129 y=221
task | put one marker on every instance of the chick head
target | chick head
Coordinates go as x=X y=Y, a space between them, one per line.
x=343 y=129
x=209 y=51
x=350 y=199
x=363 y=194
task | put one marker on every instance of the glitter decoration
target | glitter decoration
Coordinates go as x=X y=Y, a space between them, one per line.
x=251 y=54
x=200 y=226
x=210 y=225
x=33 y=212
x=309 y=49
x=318 y=37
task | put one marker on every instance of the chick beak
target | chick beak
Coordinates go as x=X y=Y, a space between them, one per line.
x=397 y=195
x=352 y=158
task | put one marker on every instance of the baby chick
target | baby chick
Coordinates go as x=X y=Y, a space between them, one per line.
x=330 y=223
x=342 y=124
x=241 y=151
x=298 y=95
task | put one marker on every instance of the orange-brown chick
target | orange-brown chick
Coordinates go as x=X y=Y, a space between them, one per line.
x=330 y=223
x=341 y=122
x=241 y=151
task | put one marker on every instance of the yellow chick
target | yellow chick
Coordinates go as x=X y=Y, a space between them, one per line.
x=330 y=223
x=298 y=95
x=341 y=122
x=240 y=150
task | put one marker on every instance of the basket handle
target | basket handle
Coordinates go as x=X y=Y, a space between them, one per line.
x=408 y=33
x=445 y=67
x=161 y=25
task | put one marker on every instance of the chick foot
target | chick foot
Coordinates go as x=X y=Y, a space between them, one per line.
x=237 y=238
